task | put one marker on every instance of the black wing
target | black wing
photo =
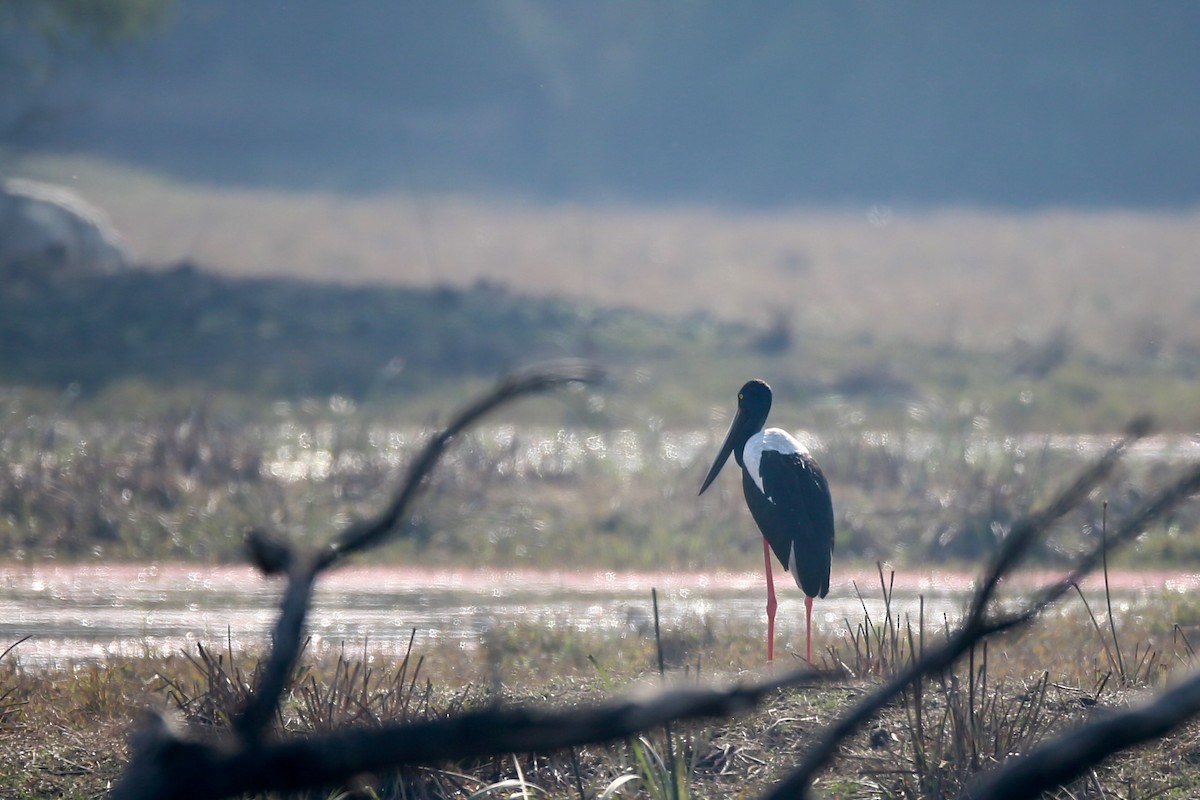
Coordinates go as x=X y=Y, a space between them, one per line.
x=795 y=509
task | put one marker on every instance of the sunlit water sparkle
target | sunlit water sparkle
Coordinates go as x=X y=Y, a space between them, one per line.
x=86 y=613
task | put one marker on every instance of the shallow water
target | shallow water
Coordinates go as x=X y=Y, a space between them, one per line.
x=83 y=613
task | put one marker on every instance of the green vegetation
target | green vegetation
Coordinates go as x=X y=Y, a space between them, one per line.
x=187 y=483
x=39 y=37
x=103 y=23
x=1061 y=321
x=279 y=339
x=1052 y=322
x=142 y=341
x=198 y=406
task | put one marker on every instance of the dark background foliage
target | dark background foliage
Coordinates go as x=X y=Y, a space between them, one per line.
x=1020 y=104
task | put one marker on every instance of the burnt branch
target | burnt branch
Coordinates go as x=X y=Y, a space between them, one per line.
x=1061 y=760
x=361 y=536
x=978 y=624
x=1065 y=758
x=1025 y=532
x=176 y=767
x=274 y=556
x=170 y=763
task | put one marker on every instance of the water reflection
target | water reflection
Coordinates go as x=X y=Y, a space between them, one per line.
x=316 y=453
x=90 y=612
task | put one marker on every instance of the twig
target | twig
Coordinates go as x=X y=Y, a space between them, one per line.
x=976 y=625
x=15 y=645
x=1112 y=621
x=539 y=379
x=273 y=556
x=1112 y=661
x=359 y=536
x=673 y=768
x=1061 y=760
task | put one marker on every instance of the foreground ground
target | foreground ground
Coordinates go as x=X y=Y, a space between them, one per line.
x=62 y=732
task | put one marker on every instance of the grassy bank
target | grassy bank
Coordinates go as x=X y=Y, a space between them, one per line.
x=147 y=341
x=186 y=485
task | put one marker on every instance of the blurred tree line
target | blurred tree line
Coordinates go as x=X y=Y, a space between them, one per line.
x=38 y=36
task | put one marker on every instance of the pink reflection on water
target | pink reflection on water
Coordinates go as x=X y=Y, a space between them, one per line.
x=91 y=611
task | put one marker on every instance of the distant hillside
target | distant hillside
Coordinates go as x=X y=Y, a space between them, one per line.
x=773 y=103
x=280 y=338
x=138 y=341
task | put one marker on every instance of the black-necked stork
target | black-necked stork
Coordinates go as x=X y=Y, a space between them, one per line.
x=788 y=498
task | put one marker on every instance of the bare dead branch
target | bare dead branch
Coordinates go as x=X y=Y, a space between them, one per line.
x=303 y=572
x=15 y=645
x=177 y=767
x=285 y=649
x=531 y=381
x=1025 y=532
x=1065 y=758
x=1158 y=506
x=167 y=763
x=273 y=555
x=975 y=625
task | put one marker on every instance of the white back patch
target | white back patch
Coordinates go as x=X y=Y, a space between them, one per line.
x=775 y=439
x=792 y=566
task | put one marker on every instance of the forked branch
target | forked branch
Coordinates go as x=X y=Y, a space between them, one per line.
x=978 y=623
x=167 y=763
x=1061 y=760
x=302 y=570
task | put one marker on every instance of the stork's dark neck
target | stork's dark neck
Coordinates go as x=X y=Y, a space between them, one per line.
x=753 y=425
x=754 y=403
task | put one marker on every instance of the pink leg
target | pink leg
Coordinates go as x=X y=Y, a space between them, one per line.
x=808 y=629
x=771 y=604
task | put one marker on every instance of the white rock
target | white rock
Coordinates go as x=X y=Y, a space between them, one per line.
x=50 y=229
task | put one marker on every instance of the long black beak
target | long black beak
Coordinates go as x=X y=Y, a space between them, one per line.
x=726 y=449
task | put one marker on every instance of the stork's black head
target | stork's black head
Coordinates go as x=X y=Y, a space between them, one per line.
x=754 y=400
x=754 y=403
